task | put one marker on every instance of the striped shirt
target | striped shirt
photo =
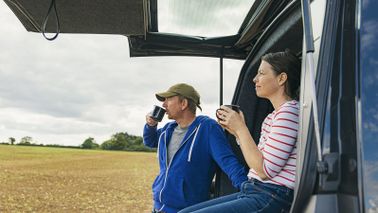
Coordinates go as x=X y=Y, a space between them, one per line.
x=277 y=144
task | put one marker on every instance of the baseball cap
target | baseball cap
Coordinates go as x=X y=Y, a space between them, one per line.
x=182 y=89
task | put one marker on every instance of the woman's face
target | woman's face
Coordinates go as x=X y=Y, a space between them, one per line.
x=267 y=82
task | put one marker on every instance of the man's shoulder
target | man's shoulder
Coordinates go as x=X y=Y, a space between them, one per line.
x=206 y=120
x=210 y=124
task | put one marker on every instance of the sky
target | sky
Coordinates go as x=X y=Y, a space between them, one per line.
x=81 y=86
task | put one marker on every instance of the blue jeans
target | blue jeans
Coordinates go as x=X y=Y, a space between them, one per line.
x=254 y=196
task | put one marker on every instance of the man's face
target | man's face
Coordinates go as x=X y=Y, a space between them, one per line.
x=173 y=105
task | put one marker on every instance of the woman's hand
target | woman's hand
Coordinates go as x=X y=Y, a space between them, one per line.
x=234 y=123
x=230 y=120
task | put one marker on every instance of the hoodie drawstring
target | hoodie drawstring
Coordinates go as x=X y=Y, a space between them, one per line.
x=158 y=148
x=191 y=145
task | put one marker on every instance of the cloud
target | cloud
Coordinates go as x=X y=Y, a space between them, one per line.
x=370 y=179
x=369 y=30
x=365 y=4
x=370 y=114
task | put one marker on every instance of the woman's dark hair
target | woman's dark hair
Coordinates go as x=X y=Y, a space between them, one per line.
x=290 y=64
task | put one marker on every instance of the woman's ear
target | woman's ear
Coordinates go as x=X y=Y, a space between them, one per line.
x=282 y=78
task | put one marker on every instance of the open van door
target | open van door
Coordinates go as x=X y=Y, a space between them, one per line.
x=138 y=20
x=82 y=16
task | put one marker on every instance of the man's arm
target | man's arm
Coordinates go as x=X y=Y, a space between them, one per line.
x=150 y=133
x=224 y=156
x=150 y=136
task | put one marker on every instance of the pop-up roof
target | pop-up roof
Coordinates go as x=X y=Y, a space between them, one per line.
x=210 y=28
x=124 y=17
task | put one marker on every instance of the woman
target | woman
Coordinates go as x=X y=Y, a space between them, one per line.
x=272 y=163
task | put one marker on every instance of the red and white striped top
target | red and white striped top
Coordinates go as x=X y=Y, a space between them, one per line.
x=277 y=144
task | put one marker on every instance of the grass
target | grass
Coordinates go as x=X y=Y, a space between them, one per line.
x=45 y=179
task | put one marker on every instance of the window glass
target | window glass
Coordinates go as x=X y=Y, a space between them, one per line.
x=317 y=10
x=318 y=13
x=231 y=70
x=326 y=140
x=206 y=18
x=369 y=102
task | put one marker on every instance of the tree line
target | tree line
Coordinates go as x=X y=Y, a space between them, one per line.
x=119 y=141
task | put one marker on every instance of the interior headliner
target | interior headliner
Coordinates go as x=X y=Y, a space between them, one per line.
x=83 y=16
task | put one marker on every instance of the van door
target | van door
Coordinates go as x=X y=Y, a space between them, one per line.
x=284 y=32
x=331 y=184
x=82 y=16
x=138 y=19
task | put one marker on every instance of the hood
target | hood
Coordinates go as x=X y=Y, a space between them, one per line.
x=199 y=119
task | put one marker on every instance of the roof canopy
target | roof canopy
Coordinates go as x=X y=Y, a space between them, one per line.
x=125 y=17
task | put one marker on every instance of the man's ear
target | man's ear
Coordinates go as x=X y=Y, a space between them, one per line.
x=184 y=104
x=282 y=78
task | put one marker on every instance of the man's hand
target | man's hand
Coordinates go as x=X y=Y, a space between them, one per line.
x=150 y=122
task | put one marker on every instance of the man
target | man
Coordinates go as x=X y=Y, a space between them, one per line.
x=188 y=150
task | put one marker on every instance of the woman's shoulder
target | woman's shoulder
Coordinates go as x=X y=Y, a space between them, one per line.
x=292 y=105
x=290 y=108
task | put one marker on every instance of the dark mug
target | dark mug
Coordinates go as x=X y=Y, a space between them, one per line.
x=157 y=113
x=234 y=107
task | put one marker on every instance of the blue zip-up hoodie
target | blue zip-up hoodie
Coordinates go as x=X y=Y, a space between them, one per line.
x=186 y=180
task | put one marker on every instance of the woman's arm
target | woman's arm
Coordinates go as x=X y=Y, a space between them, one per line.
x=251 y=153
x=279 y=142
x=234 y=123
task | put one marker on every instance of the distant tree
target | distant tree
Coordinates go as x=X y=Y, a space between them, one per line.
x=12 y=140
x=120 y=141
x=117 y=142
x=106 y=145
x=124 y=141
x=89 y=143
x=27 y=140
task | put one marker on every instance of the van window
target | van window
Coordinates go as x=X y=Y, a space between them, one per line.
x=369 y=102
x=205 y=18
x=231 y=70
x=317 y=14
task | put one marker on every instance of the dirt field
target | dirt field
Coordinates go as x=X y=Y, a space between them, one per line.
x=41 y=179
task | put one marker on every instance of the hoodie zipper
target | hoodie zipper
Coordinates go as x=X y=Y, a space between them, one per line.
x=169 y=165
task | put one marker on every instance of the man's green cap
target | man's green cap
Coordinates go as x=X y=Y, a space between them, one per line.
x=182 y=89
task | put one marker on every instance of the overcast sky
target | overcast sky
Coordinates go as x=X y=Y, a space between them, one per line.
x=80 y=86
